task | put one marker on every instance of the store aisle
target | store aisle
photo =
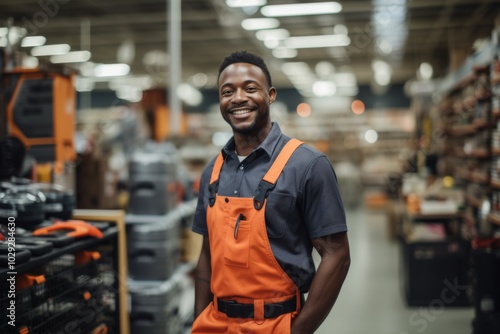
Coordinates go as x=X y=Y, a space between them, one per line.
x=371 y=300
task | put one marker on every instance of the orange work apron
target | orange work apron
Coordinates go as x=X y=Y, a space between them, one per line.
x=244 y=269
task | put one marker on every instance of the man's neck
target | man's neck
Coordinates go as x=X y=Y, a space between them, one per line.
x=246 y=143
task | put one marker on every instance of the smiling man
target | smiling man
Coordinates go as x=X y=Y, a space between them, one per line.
x=265 y=201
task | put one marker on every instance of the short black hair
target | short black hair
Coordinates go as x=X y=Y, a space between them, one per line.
x=245 y=57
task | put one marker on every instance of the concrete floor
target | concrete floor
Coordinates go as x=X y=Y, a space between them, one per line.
x=371 y=301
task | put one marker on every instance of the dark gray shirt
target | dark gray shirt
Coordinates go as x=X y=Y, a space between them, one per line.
x=305 y=203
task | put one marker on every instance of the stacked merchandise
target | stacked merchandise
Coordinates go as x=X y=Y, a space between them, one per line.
x=154 y=241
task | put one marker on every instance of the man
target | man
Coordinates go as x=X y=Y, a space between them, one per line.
x=264 y=202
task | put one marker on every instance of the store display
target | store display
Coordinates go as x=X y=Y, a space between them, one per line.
x=41 y=113
x=155 y=306
x=58 y=202
x=25 y=204
x=152 y=184
x=153 y=247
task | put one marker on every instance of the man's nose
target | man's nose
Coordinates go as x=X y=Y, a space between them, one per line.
x=239 y=96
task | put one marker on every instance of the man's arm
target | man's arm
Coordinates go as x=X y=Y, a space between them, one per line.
x=325 y=287
x=203 y=296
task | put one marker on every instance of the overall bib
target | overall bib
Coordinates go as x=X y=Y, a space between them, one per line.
x=252 y=293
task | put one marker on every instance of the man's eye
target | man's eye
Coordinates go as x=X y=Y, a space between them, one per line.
x=251 y=89
x=226 y=92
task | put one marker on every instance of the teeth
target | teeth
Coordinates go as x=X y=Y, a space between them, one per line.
x=241 y=112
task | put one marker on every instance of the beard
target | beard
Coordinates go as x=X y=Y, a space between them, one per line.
x=248 y=130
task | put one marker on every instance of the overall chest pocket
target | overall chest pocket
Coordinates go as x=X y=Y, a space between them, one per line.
x=237 y=242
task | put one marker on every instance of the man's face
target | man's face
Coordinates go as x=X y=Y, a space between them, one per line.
x=244 y=98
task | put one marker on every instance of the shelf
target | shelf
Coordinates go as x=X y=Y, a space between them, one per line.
x=432 y=216
x=37 y=261
x=463 y=130
x=494 y=218
x=473 y=201
x=495 y=152
x=468 y=219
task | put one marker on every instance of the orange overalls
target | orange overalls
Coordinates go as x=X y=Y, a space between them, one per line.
x=252 y=293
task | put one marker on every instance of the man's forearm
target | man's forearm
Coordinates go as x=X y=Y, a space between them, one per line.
x=326 y=285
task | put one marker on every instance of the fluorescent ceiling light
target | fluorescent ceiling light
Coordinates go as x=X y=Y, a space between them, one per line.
x=31 y=41
x=324 y=88
x=295 y=68
x=345 y=79
x=50 y=50
x=425 y=71
x=260 y=24
x=111 y=70
x=190 y=95
x=318 y=41
x=284 y=53
x=245 y=3
x=278 y=34
x=84 y=84
x=30 y=62
x=315 y=8
x=71 y=57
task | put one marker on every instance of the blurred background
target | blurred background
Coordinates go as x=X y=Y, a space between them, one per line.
x=110 y=113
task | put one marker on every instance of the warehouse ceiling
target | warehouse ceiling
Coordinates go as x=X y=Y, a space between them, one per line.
x=401 y=33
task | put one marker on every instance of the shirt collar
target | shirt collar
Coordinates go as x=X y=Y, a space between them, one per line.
x=267 y=146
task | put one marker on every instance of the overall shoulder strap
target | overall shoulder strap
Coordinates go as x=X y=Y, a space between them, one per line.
x=269 y=180
x=214 y=179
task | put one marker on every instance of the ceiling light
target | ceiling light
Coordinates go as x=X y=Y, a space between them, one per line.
x=371 y=136
x=245 y=3
x=83 y=84
x=318 y=41
x=283 y=53
x=111 y=70
x=190 y=95
x=340 y=29
x=345 y=79
x=278 y=34
x=295 y=68
x=425 y=71
x=130 y=94
x=31 y=41
x=315 y=8
x=324 y=68
x=71 y=57
x=30 y=62
x=380 y=65
x=384 y=46
x=199 y=79
x=87 y=69
x=324 y=88
x=382 y=78
x=272 y=43
x=50 y=50
x=260 y=24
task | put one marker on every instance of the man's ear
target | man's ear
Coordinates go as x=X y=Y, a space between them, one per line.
x=272 y=95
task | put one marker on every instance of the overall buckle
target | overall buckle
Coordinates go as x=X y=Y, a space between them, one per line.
x=261 y=193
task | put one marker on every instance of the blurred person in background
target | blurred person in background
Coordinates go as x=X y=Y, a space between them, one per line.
x=265 y=201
